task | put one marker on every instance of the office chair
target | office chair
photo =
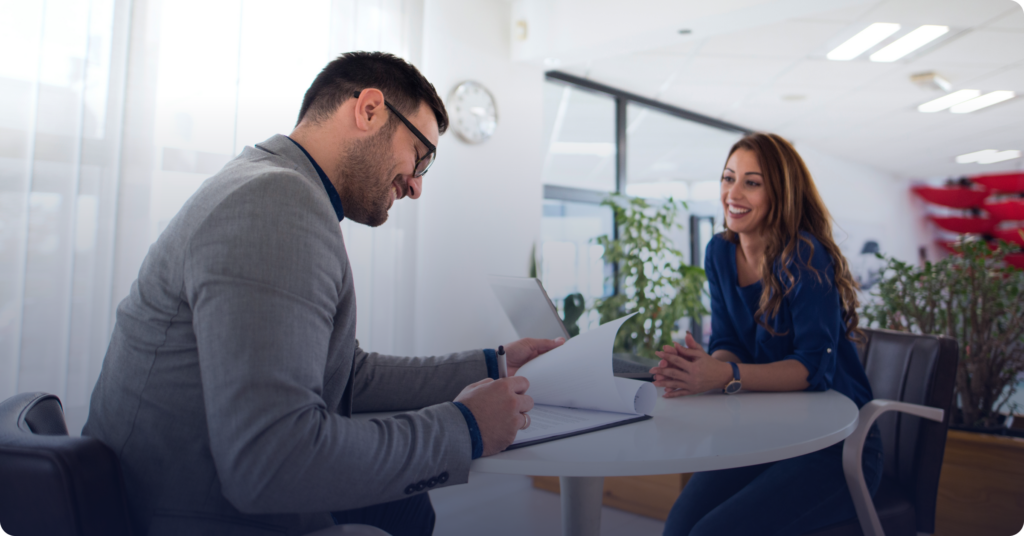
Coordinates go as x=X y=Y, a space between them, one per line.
x=912 y=378
x=55 y=485
x=52 y=484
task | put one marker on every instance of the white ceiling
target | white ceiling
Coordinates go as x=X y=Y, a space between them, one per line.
x=775 y=78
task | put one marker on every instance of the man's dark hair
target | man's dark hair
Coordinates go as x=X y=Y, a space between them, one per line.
x=402 y=84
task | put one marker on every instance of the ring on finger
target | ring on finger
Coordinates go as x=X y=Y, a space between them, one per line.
x=526 y=423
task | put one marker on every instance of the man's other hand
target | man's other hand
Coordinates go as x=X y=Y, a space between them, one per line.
x=522 y=351
x=498 y=407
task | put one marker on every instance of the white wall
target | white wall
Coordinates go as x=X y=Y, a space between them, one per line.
x=480 y=210
x=866 y=202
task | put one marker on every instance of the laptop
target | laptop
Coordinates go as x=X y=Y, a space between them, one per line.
x=534 y=315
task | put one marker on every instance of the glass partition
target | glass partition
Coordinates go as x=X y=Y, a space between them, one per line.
x=579 y=129
x=569 y=260
x=666 y=155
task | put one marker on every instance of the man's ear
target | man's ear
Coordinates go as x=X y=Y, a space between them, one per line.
x=370 y=112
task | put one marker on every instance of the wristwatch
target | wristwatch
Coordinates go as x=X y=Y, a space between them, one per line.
x=733 y=386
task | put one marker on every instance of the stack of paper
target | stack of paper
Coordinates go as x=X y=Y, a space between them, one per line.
x=575 y=391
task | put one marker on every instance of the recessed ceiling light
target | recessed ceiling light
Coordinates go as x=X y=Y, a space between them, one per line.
x=910 y=42
x=988 y=156
x=685 y=31
x=946 y=101
x=987 y=99
x=860 y=43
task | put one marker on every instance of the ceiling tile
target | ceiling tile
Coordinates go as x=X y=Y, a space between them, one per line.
x=957 y=13
x=832 y=74
x=790 y=39
x=751 y=72
x=1011 y=78
x=980 y=47
x=1014 y=20
x=847 y=15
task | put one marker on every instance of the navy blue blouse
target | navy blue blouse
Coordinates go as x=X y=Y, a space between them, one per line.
x=809 y=323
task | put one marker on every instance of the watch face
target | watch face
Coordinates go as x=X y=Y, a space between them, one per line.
x=733 y=387
x=473 y=113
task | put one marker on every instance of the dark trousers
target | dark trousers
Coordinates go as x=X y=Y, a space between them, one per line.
x=405 y=517
x=788 y=497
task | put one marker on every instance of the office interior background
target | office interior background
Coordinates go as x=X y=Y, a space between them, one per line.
x=113 y=112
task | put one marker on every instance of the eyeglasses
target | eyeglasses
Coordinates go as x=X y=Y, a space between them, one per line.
x=424 y=162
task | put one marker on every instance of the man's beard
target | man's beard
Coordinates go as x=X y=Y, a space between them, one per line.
x=366 y=188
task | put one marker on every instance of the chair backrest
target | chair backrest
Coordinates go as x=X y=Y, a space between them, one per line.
x=920 y=369
x=52 y=484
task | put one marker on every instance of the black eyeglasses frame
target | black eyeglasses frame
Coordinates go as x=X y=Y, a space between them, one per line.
x=431 y=148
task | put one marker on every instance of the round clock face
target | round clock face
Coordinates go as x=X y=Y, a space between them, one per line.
x=473 y=113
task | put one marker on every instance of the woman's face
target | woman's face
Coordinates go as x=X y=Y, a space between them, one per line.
x=743 y=193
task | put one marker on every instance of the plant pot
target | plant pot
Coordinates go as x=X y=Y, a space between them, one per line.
x=980 y=489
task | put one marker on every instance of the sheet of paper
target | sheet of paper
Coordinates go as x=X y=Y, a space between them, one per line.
x=578 y=374
x=552 y=421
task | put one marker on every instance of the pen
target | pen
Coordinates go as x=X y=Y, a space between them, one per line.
x=502 y=366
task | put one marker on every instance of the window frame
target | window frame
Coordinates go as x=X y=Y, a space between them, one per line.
x=622 y=100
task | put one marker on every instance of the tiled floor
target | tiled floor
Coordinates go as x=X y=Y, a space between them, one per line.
x=503 y=505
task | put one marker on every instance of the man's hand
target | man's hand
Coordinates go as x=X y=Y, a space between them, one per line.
x=522 y=351
x=498 y=407
x=686 y=371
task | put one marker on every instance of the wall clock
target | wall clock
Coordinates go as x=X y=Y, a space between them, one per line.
x=472 y=111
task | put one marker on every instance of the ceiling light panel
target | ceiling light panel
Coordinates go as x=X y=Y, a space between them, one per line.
x=1000 y=156
x=988 y=156
x=946 y=101
x=863 y=41
x=910 y=42
x=976 y=156
x=983 y=101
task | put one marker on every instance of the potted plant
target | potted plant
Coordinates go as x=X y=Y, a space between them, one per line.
x=977 y=298
x=653 y=280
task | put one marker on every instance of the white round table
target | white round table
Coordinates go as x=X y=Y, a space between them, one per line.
x=687 y=435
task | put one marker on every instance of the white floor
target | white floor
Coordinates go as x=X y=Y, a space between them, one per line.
x=504 y=505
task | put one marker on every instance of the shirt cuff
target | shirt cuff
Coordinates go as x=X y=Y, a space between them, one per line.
x=492 y=363
x=474 y=430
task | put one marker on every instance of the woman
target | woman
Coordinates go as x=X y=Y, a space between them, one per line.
x=783 y=318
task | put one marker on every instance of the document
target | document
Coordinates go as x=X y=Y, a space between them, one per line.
x=575 y=391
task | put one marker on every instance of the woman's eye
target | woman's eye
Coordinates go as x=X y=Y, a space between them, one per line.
x=753 y=183
x=727 y=178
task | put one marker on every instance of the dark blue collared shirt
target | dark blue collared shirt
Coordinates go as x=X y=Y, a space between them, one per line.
x=489 y=355
x=332 y=193
x=809 y=324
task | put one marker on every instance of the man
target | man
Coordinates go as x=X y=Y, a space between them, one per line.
x=233 y=368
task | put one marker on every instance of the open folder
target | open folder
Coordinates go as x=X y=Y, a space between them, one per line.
x=574 y=390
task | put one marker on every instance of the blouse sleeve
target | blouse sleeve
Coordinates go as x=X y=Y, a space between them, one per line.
x=817 y=321
x=723 y=334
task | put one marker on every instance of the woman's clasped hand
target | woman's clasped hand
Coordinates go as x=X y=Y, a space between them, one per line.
x=687 y=370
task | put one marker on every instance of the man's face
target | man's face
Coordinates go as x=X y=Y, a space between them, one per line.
x=379 y=169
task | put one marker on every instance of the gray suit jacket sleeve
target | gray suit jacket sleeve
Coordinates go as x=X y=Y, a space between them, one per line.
x=265 y=295
x=389 y=383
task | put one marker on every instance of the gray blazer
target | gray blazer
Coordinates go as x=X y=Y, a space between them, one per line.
x=233 y=370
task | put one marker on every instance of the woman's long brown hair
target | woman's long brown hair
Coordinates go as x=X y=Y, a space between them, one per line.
x=794 y=205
